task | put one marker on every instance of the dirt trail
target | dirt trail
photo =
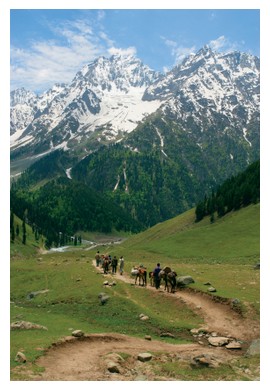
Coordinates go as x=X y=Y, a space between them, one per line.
x=218 y=317
x=87 y=358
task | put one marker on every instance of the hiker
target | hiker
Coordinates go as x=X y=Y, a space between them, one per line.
x=114 y=264
x=106 y=265
x=97 y=257
x=156 y=275
x=121 y=264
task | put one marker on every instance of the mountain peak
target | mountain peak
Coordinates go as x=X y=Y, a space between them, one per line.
x=109 y=97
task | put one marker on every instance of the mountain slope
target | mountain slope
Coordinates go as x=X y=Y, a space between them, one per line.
x=202 y=126
x=103 y=101
x=109 y=97
x=234 y=238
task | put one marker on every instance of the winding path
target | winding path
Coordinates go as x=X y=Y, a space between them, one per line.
x=86 y=359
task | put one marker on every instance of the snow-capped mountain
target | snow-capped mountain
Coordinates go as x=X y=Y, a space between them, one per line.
x=209 y=83
x=108 y=98
x=103 y=101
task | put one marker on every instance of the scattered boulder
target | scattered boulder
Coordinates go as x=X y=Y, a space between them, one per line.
x=147 y=337
x=167 y=334
x=144 y=357
x=218 y=341
x=140 y=378
x=26 y=325
x=183 y=281
x=211 y=289
x=113 y=367
x=20 y=357
x=234 y=345
x=207 y=284
x=78 y=333
x=144 y=318
x=33 y=294
x=104 y=299
x=235 y=301
x=204 y=360
x=106 y=283
x=198 y=331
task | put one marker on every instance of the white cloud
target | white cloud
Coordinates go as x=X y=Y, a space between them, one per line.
x=178 y=52
x=46 y=62
x=130 y=51
x=181 y=52
x=218 y=43
x=224 y=44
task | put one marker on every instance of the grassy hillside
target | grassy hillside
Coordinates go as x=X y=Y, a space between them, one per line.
x=233 y=238
x=223 y=253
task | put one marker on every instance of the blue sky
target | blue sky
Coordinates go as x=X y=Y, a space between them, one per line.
x=49 y=46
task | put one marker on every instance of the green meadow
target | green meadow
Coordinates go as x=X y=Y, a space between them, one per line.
x=223 y=253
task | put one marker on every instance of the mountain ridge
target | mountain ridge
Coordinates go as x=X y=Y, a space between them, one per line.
x=203 y=127
x=109 y=98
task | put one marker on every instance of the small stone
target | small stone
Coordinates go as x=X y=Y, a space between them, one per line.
x=204 y=360
x=234 y=345
x=147 y=337
x=78 y=333
x=194 y=331
x=218 y=341
x=144 y=357
x=144 y=318
x=113 y=367
x=20 y=357
x=211 y=289
x=167 y=334
x=140 y=378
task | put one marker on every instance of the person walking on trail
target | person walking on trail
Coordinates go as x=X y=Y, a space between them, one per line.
x=97 y=257
x=114 y=265
x=106 y=265
x=156 y=275
x=121 y=264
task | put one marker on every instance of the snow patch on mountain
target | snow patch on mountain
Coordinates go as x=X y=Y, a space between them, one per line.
x=104 y=97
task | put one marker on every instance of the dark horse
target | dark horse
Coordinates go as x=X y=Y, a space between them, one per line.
x=169 y=277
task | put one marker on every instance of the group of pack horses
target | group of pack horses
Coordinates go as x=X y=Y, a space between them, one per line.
x=166 y=274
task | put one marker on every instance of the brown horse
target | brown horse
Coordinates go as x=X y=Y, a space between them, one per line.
x=141 y=274
x=151 y=277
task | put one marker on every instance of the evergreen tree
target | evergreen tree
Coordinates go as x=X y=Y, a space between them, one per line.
x=12 y=234
x=11 y=221
x=23 y=232
x=200 y=211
